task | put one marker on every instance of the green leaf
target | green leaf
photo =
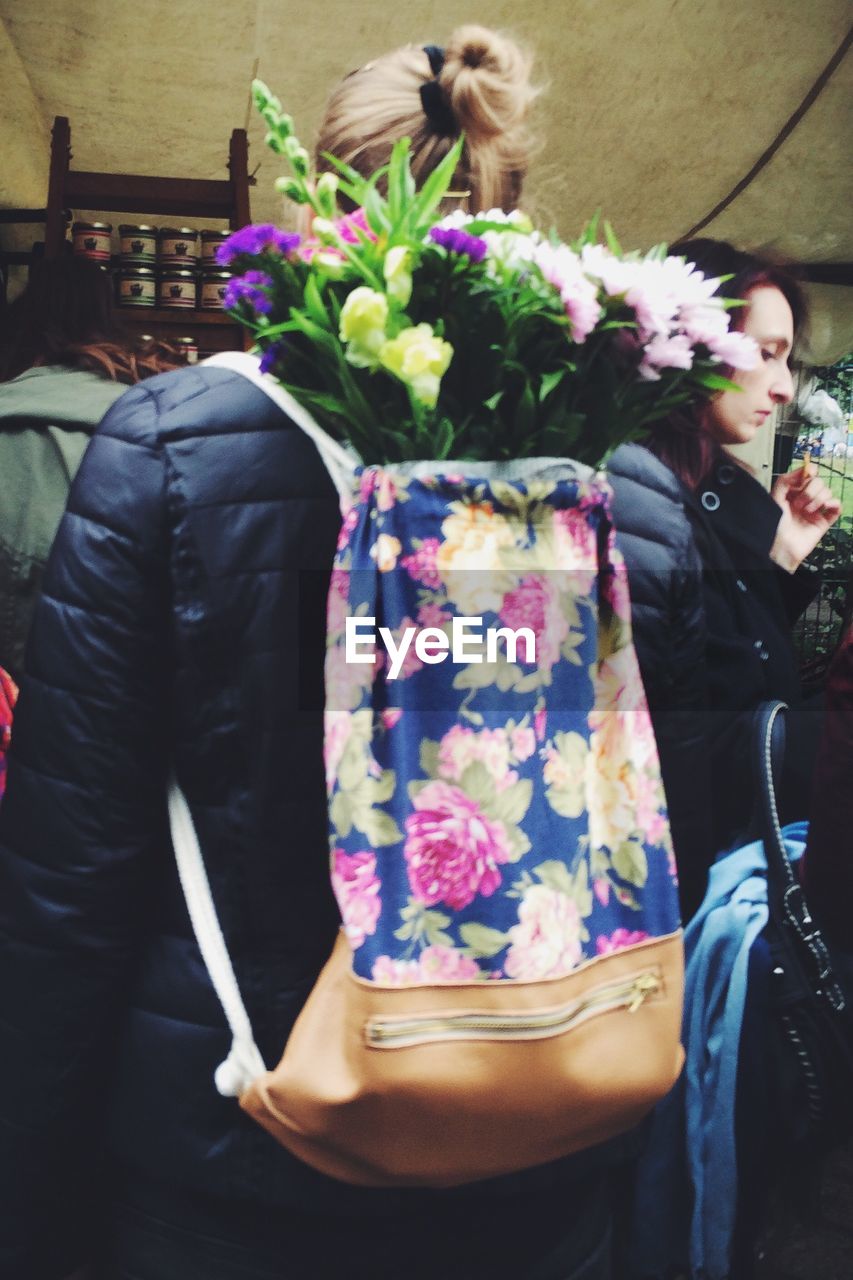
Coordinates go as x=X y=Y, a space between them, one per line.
x=610 y=237
x=511 y=805
x=630 y=863
x=352 y=770
x=340 y=814
x=518 y=843
x=380 y=828
x=478 y=783
x=482 y=941
x=432 y=924
x=429 y=757
x=716 y=382
x=555 y=875
x=434 y=190
x=549 y=381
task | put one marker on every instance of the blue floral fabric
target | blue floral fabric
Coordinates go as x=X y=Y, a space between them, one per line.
x=501 y=815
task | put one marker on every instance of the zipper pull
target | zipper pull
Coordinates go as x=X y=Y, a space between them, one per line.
x=643 y=987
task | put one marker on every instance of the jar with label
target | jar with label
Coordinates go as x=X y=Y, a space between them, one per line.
x=188 y=348
x=137 y=286
x=177 y=246
x=210 y=242
x=92 y=240
x=213 y=287
x=177 y=290
x=138 y=244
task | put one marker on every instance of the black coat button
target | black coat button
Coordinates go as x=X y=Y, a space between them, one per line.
x=726 y=473
x=710 y=500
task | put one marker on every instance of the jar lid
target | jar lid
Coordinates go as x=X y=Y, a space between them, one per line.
x=185 y=342
x=132 y=270
x=128 y=228
x=216 y=275
x=176 y=273
x=170 y=233
x=215 y=235
x=92 y=226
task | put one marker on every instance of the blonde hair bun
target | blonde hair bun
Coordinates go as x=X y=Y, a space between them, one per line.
x=486 y=77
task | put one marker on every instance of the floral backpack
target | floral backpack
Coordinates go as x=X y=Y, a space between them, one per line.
x=506 y=986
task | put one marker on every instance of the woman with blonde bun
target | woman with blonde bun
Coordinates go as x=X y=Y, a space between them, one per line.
x=182 y=623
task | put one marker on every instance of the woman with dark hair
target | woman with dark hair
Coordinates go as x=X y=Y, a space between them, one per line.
x=63 y=362
x=717 y=577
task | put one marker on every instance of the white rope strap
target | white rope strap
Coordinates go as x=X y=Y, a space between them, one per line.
x=339 y=462
x=244 y=1063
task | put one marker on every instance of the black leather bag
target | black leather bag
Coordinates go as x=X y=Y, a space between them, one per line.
x=810 y=1047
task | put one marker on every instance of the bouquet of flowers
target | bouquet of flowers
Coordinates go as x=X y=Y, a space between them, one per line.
x=414 y=335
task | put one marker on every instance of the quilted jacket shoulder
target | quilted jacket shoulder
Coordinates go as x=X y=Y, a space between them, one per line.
x=655 y=536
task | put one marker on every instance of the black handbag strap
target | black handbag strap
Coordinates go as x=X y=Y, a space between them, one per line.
x=785 y=898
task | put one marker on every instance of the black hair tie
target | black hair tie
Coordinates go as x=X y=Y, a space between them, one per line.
x=433 y=98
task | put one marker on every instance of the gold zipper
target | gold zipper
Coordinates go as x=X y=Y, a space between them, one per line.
x=399 y=1032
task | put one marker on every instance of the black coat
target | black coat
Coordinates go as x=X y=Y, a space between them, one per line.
x=712 y=626
x=182 y=623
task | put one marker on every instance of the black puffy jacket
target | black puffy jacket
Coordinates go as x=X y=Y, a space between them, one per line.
x=712 y=626
x=668 y=622
x=182 y=625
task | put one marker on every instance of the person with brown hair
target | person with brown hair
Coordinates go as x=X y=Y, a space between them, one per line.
x=717 y=577
x=63 y=362
x=182 y=627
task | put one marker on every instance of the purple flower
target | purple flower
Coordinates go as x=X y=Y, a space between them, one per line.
x=249 y=288
x=264 y=238
x=456 y=241
x=272 y=355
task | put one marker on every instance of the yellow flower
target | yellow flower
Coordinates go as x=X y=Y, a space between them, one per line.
x=364 y=316
x=398 y=277
x=419 y=359
x=385 y=551
x=471 y=557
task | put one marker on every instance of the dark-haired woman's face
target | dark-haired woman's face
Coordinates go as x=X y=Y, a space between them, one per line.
x=735 y=417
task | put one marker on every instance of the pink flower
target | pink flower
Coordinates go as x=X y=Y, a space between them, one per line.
x=337 y=608
x=452 y=849
x=351 y=223
x=533 y=603
x=356 y=887
x=349 y=522
x=665 y=353
x=421 y=566
x=390 y=716
x=462 y=746
x=601 y=889
x=546 y=941
x=618 y=939
x=735 y=349
x=432 y=615
x=445 y=964
x=562 y=268
x=523 y=743
x=540 y=722
x=395 y=973
x=337 y=730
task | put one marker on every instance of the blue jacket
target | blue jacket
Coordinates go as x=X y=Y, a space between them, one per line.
x=182 y=623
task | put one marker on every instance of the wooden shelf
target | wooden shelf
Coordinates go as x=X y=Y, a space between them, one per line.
x=212 y=330
x=173 y=316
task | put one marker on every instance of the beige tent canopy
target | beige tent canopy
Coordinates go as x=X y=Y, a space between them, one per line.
x=666 y=114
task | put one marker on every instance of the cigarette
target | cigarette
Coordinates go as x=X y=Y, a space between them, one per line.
x=807 y=459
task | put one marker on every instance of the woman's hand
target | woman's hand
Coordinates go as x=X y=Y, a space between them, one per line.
x=809 y=508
